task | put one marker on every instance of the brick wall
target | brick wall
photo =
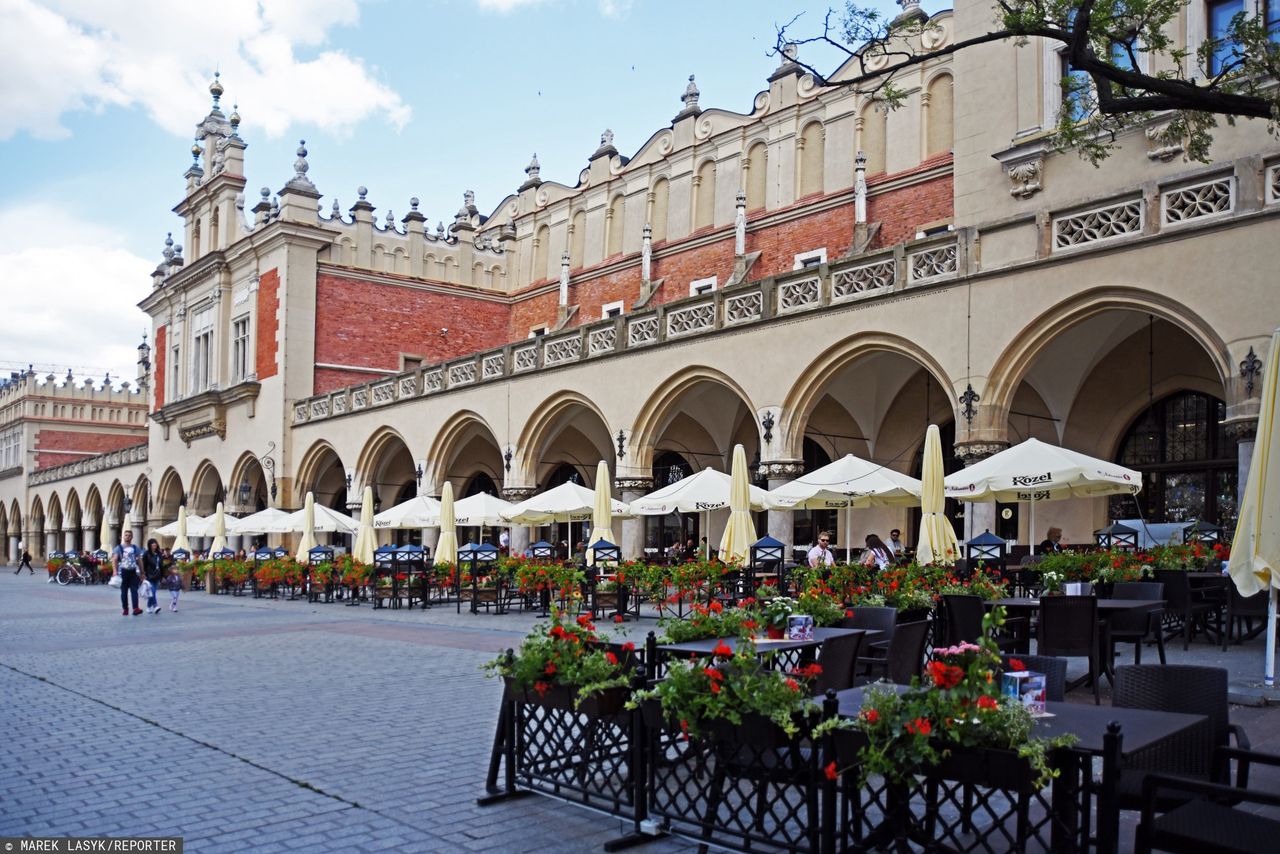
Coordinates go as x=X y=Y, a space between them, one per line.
x=158 y=371
x=54 y=447
x=902 y=212
x=369 y=324
x=265 y=363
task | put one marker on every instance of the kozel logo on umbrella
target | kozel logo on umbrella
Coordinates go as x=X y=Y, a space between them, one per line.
x=1031 y=479
x=709 y=505
x=1039 y=495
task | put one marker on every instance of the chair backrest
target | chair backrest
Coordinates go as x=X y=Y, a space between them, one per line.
x=1068 y=625
x=872 y=617
x=906 y=651
x=839 y=660
x=1186 y=688
x=1054 y=670
x=964 y=618
x=1137 y=590
x=1177 y=588
x=1247 y=606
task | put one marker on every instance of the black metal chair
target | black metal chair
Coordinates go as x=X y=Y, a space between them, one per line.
x=1210 y=820
x=1244 y=610
x=1136 y=627
x=905 y=657
x=1185 y=688
x=962 y=622
x=1054 y=670
x=1069 y=627
x=1186 y=606
x=873 y=618
x=839 y=660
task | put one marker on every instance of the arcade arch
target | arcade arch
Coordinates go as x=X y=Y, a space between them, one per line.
x=566 y=429
x=464 y=448
x=322 y=473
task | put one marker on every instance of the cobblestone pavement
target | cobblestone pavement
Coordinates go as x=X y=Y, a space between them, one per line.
x=256 y=724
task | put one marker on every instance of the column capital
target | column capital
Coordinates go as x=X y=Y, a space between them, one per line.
x=633 y=484
x=1242 y=429
x=973 y=452
x=516 y=494
x=781 y=469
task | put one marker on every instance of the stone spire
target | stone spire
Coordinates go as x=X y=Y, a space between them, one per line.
x=216 y=90
x=690 y=100
x=533 y=173
x=606 y=148
x=299 y=197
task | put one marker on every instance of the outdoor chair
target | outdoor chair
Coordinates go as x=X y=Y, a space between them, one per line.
x=839 y=660
x=873 y=618
x=1242 y=611
x=1185 y=688
x=1186 y=607
x=1069 y=627
x=1054 y=670
x=1210 y=821
x=1133 y=626
x=962 y=616
x=905 y=657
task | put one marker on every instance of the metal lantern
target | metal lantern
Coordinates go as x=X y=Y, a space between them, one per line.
x=603 y=551
x=542 y=550
x=180 y=555
x=765 y=550
x=263 y=554
x=1206 y=532
x=101 y=556
x=280 y=552
x=318 y=555
x=987 y=549
x=1117 y=536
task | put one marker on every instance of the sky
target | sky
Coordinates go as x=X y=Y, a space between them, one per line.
x=429 y=98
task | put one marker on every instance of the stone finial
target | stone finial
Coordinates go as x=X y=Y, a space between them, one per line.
x=69 y=379
x=196 y=151
x=362 y=192
x=235 y=120
x=790 y=52
x=275 y=207
x=440 y=230
x=910 y=9
x=413 y=204
x=215 y=89
x=336 y=212
x=265 y=192
x=168 y=248
x=534 y=169
x=690 y=96
x=606 y=138
x=300 y=181
x=391 y=220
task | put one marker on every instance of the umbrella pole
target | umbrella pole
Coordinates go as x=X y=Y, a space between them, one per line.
x=1031 y=527
x=706 y=535
x=1269 y=673
x=848 y=531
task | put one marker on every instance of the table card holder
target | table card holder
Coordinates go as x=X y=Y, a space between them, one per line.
x=800 y=627
x=1027 y=687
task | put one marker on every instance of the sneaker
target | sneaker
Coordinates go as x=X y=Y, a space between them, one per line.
x=137 y=611
x=125 y=612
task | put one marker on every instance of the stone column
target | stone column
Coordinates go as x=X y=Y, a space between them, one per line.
x=90 y=538
x=1245 y=432
x=15 y=553
x=69 y=540
x=521 y=535
x=781 y=522
x=50 y=543
x=631 y=488
x=979 y=516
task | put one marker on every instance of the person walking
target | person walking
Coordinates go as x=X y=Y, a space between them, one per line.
x=124 y=561
x=173 y=582
x=153 y=567
x=26 y=561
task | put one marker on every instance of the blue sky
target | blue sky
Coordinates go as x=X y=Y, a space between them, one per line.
x=99 y=99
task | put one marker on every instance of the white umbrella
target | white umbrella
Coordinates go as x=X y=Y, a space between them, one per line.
x=740 y=532
x=937 y=537
x=1255 y=549
x=195 y=525
x=698 y=493
x=481 y=509
x=1035 y=471
x=181 y=532
x=447 y=545
x=421 y=511
x=307 y=527
x=568 y=502
x=219 y=529
x=323 y=520
x=848 y=483
x=263 y=522
x=104 y=535
x=366 y=539
x=601 y=517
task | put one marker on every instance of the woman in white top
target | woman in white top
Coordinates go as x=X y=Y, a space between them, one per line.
x=877 y=553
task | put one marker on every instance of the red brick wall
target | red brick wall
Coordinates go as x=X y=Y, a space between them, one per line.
x=902 y=212
x=158 y=371
x=264 y=345
x=50 y=442
x=368 y=324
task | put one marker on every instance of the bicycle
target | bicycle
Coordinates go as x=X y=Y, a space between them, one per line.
x=73 y=572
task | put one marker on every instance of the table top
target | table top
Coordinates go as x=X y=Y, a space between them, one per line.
x=1104 y=605
x=763 y=645
x=1140 y=728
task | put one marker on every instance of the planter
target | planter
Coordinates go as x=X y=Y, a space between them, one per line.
x=211 y=582
x=985 y=767
x=776 y=633
x=913 y=615
x=755 y=730
x=561 y=697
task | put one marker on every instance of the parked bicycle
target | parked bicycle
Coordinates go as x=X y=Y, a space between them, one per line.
x=73 y=572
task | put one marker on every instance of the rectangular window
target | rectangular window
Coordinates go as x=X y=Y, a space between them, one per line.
x=175 y=375
x=240 y=349
x=611 y=309
x=1225 y=49
x=702 y=286
x=810 y=259
x=410 y=363
x=1075 y=90
x=537 y=331
x=200 y=349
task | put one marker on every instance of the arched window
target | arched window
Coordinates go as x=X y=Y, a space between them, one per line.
x=704 y=213
x=757 y=175
x=661 y=532
x=479 y=483
x=1188 y=463
x=812 y=155
x=658 y=213
x=874 y=136
x=938 y=140
x=578 y=242
x=541 y=248
x=615 y=221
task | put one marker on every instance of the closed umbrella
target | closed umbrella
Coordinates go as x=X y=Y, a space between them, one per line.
x=938 y=542
x=366 y=539
x=421 y=511
x=181 y=532
x=219 y=530
x=104 y=535
x=447 y=545
x=308 y=525
x=601 y=511
x=740 y=532
x=1255 y=549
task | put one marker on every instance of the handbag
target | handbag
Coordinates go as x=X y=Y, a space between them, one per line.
x=116 y=581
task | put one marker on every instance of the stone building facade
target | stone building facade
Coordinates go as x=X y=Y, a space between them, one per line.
x=811 y=277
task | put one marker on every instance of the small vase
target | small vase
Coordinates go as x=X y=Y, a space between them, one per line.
x=775 y=633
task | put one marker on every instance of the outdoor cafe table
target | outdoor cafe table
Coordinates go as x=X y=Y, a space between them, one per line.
x=1106 y=608
x=795 y=650
x=1140 y=729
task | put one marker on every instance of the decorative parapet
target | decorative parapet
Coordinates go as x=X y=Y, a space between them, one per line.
x=1213 y=198
x=1103 y=224
x=90 y=465
x=1273 y=184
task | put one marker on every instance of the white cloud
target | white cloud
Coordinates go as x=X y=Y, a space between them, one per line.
x=70 y=294
x=608 y=8
x=60 y=56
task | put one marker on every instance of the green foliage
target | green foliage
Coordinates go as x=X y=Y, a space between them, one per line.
x=710 y=621
x=567 y=653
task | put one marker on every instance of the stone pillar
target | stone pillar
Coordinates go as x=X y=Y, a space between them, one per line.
x=564 y=279
x=521 y=535
x=50 y=543
x=979 y=516
x=781 y=522
x=631 y=488
x=740 y=224
x=90 y=538
x=860 y=189
x=1245 y=433
x=646 y=250
x=15 y=552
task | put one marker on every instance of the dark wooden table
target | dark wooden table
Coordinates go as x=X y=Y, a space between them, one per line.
x=763 y=645
x=1106 y=607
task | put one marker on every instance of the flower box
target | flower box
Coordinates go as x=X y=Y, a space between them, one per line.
x=610 y=701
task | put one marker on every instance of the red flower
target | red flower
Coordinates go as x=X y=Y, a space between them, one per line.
x=716 y=607
x=793 y=684
x=585 y=621
x=1016 y=665
x=871 y=716
x=617 y=618
x=715 y=687
x=550 y=669
x=987 y=703
x=849 y=613
x=611 y=658
x=541 y=688
x=831 y=772
x=945 y=675
x=713 y=674
x=628 y=646
x=749 y=624
x=920 y=726
x=722 y=650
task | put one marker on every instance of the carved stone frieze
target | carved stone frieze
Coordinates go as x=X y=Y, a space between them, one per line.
x=199 y=429
x=1244 y=430
x=972 y=452
x=777 y=469
x=516 y=494
x=633 y=484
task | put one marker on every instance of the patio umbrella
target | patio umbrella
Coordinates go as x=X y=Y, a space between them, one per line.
x=322 y=520
x=308 y=541
x=1035 y=471
x=421 y=511
x=740 y=532
x=366 y=539
x=848 y=483
x=263 y=522
x=601 y=512
x=938 y=542
x=481 y=509
x=447 y=545
x=1255 y=549
x=181 y=533
x=219 y=530
x=698 y=493
x=195 y=525
x=104 y=535
x=568 y=502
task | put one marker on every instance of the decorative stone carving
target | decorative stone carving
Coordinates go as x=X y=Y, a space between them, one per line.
x=933 y=263
x=690 y=319
x=633 y=484
x=213 y=427
x=1208 y=198
x=780 y=469
x=798 y=295
x=516 y=494
x=602 y=340
x=642 y=331
x=972 y=452
x=1025 y=176
x=1160 y=146
x=1092 y=226
x=863 y=280
x=1244 y=430
x=494 y=365
x=741 y=308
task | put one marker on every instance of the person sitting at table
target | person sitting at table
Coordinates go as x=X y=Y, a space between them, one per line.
x=876 y=554
x=1051 y=542
x=896 y=545
x=820 y=554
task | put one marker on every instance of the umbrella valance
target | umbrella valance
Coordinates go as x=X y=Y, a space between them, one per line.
x=697 y=493
x=847 y=482
x=421 y=511
x=195 y=525
x=258 y=523
x=1038 y=471
x=568 y=502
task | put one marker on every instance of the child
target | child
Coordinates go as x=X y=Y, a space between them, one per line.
x=174 y=584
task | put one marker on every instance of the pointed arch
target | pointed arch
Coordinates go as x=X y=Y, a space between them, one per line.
x=704 y=200
x=313 y=463
x=53 y=513
x=661 y=406
x=169 y=494
x=15 y=518
x=206 y=489
x=450 y=438
x=547 y=420
x=812 y=158
x=93 y=505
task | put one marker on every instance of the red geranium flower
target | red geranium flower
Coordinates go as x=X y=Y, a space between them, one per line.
x=920 y=726
x=793 y=684
x=1016 y=665
x=713 y=674
x=987 y=703
x=715 y=687
x=541 y=688
x=550 y=669
x=831 y=771
x=628 y=646
x=611 y=658
x=871 y=716
x=945 y=675
x=617 y=618
x=722 y=650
